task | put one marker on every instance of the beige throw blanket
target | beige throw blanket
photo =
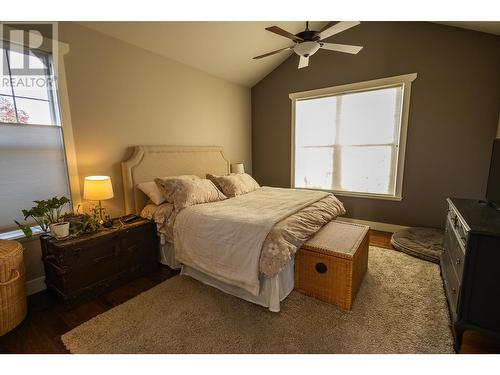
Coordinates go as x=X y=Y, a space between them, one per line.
x=225 y=239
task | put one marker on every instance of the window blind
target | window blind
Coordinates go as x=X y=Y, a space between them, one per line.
x=32 y=160
x=32 y=167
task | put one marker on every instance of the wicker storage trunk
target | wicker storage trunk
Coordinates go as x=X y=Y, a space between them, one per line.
x=332 y=264
x=12 y=289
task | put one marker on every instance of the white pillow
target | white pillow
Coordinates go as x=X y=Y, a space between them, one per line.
x=152 y=191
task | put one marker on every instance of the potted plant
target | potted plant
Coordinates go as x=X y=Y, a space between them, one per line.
x=83 y=223
x=48 y=215
x=58 y=226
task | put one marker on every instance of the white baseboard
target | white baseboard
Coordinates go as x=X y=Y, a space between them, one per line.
x=35 y=285
x=383 y=227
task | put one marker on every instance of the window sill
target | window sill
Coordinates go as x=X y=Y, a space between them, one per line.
x=19 y=235
x=353 y=194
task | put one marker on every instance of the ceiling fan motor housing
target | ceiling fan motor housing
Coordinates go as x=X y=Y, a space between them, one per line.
x=306 y=49
x=308 y=35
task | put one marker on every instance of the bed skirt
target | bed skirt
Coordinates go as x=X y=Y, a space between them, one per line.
x=167 y=256
x=272 y=291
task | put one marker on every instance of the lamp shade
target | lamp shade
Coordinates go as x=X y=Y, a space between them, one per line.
x=97 y=188
x=238 y=168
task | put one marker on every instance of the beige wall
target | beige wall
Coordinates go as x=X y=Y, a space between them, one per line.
x=454 y=108
x=121 y=96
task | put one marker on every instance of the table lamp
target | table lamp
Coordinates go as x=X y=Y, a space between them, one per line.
x=238 y=168
x=97 y=188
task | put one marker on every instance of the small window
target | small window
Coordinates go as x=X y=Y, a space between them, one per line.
x=29 y=97
x=350 y=139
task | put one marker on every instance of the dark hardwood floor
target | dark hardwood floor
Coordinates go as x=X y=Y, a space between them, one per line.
x=46 y=321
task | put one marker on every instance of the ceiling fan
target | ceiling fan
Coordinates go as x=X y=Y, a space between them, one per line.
x=308 y=42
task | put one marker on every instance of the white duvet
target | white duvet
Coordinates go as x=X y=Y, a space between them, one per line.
x=225 y=239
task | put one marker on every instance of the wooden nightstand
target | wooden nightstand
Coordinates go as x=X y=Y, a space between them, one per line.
x=86 y=266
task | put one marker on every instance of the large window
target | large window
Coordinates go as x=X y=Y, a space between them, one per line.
x=32 y=159
x=351 y=139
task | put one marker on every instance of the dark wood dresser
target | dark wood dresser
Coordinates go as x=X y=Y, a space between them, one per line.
x=86 y=266
x=470 y=267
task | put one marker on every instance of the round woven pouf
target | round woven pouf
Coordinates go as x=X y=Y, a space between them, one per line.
x=12 y=289
x=424 y=243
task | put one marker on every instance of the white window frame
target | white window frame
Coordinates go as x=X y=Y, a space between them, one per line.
x=403 y=80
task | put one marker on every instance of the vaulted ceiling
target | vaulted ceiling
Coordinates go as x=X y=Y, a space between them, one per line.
x=225 y=49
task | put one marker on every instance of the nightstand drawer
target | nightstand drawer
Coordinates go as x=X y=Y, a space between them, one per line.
x=136 y=244
x=76 y=255
x=70 y=281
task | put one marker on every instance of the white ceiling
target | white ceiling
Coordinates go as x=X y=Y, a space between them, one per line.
x=225 y=49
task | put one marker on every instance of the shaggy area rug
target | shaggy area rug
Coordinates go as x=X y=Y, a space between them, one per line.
x=400 y=308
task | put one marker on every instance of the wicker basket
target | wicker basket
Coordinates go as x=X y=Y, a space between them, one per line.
x=13 y=307
x=332 y=264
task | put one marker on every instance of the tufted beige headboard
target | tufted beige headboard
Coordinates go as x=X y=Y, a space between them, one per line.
x=149 y=162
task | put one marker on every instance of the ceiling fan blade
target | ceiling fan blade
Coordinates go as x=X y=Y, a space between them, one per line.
x=341 y=47
x=286 y=34
x=327 y=26
x=272 y=53
x=303 y=62
x=337 y=28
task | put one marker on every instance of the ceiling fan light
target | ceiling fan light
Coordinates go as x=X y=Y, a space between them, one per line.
x=306 y=49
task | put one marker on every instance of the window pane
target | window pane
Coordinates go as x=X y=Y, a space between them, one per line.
x=7 y=110
x=34 y=85
x=21 y=60
x=313 y=167
x=366 y=169
x=370 y=117
x=316 y=122
x=36 y=112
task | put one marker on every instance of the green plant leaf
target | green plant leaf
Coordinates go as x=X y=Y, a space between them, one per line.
x=25 y=228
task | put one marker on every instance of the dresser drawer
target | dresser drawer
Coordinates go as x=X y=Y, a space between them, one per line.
x=454 y=249
x=451 y=282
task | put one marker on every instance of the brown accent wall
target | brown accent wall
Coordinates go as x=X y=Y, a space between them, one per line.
x=454 y=109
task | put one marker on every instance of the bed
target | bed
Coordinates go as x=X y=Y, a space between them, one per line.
x=263 y=278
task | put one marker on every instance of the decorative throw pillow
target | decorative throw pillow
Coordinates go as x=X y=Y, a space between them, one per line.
x=234 y=184
x=188 y=192
x=216 y=178
x=165 y=191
